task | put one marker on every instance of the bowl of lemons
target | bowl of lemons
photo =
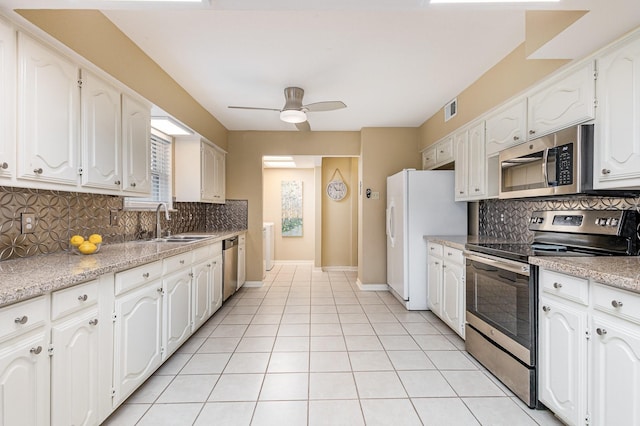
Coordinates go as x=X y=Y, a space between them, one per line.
x=81 y=245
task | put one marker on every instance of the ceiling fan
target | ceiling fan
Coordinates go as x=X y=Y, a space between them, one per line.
x=295 y=112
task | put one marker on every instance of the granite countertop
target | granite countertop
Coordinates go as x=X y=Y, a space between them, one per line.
x=22 y=279
x=616 y=271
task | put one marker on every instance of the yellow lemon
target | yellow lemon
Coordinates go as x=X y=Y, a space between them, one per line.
x=87 y=248
x=76 y=240
x=95 y=238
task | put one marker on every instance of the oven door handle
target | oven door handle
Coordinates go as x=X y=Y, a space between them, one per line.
x=545 y=167
x=518 y=268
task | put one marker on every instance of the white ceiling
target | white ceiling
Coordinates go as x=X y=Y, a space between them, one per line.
x=393 y=62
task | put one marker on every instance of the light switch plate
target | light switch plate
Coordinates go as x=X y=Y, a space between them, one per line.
x=375 y=195
x=114 y=217
x=28 y=222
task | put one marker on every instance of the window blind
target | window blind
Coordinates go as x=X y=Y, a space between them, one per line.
x=160 y=177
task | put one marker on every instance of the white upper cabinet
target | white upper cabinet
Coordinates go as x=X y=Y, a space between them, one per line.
x=429 y=158
x=136 y=142
x=101 y=133
x=477 y=162
x=7 y=100
x=506 y=127
x=565 y=101
x=199 y=171
x=617 y=153
x=460 y=144
x=48 y=111
x=438 y=154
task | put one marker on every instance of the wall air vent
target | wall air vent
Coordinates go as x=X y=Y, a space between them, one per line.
x=450 y=110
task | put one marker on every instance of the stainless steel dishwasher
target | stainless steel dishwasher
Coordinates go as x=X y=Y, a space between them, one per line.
x=230 y=265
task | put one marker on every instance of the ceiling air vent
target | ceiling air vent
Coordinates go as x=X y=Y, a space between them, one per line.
x=450 y=110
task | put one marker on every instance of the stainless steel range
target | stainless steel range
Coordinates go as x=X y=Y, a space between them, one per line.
x=502 y=288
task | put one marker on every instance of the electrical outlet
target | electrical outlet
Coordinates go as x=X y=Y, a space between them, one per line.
x=114 y=217
x=375 y=195
x=28 y=223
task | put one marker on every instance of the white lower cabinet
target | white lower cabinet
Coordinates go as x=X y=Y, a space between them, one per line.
x=200 y=293
x=446 y=286
x=215 y=295
x=589 y=353
x=138 y=338
x=176 y=310
x=242 y=263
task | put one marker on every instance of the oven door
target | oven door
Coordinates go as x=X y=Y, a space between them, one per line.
x=501 y=304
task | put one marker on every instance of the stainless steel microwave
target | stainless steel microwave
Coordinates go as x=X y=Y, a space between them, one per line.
x=557 y=164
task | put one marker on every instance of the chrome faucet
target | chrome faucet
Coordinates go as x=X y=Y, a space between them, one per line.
x=166 y=215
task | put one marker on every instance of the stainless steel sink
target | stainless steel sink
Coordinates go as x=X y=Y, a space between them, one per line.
x=178 y=239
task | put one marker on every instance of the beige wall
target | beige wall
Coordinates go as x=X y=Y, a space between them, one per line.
x=244 y=172
x=340 y=218
x=90 y=34
x=384 y=151
x=291 y=248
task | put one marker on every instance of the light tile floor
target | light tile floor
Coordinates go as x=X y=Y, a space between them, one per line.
x=309 y=348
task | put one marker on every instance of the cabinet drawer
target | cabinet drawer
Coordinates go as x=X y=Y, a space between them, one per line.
x=137 y=276
x=201 y=254
x=64 y=302
x=215 y=249
x=174 y=263
x=434 y=249
x=24 y=316
x=565 y=286
x=614 y=301
x=453 y=255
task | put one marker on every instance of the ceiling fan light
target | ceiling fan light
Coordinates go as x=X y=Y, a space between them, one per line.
x=293 y=116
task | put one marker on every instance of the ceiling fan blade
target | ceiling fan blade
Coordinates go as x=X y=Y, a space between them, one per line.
x=304 y=126
x=324 y=106
x=262 y=109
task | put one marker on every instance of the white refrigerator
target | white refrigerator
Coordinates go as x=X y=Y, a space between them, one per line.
x=419 y=203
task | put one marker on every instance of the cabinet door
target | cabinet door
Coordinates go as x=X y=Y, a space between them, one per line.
x=434 y=284
x=24 y=381
x=7 y=100
x=101 y=134
x=476 y=162
x=617 y=155
x=138 y=338
x=48 y=114
x=429 y=158
x=215 y=296
x=452 y=288
x=208 y=173
x=616 y=372
x=201 y=288
x=75 y=369
x=506 y=127
x=562 y=359
x=444 y=151
x=566 y=101
x=177 y=310
x=242 y=272
x=460 y=143
x=136 y=122
x=219 y=189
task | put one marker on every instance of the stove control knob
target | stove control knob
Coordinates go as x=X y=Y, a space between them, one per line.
x=614 y=221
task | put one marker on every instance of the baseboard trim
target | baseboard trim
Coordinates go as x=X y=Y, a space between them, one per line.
x=340 y=268
x=253 y=284
x=294 y=262
x=371 y=287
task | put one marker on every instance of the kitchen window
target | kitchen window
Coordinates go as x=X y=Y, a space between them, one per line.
x=160 y=178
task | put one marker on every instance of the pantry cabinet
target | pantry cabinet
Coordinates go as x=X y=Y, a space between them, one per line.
x=24 y=364
x=101 y=134
x=199 y=171
x=7 y=100
x=565 y=100
x=617 y=153
x=48 y=112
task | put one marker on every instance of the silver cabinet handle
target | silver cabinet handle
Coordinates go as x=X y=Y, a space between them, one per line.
x=532 y=132
x=606 y=171
x=133 y=184
x=116 y=182
x=516 y=138
x=601 y=331
x=449 y=253
x=36 y=351
x=93 y=321
x=477 y=189
x=21 y=320
x=83 y=298
x=159 y=290
x=616 y=303
x=4 y=166
x=557 y=285
x=38 y=171
x=461 y=192
x=182 y=262
x=145 y=275
x=546 y=308
x=208 y=265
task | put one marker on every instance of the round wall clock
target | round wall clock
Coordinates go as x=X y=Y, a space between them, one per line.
x=336 y=190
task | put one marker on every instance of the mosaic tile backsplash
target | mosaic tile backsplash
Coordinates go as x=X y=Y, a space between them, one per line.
x=509 y=219
x=59 y=215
